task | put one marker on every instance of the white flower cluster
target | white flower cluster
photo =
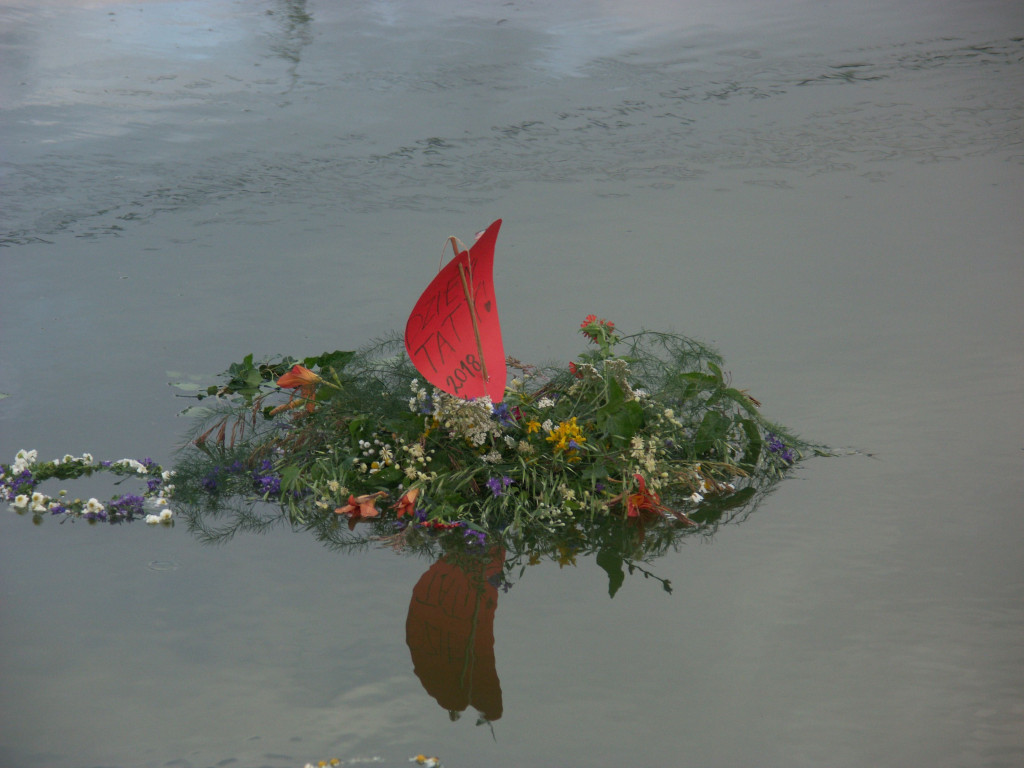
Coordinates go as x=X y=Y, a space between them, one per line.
x=138 y=466
x=417 y=459
x=376 y=456
x=644 y=454
x=23 y=460
x=38 y=502
x=165 y=516
x=418 y=403
x=470 y=419
x=85 y=459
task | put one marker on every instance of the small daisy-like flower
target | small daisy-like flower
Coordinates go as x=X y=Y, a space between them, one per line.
x=152 y=519
x=165 y=516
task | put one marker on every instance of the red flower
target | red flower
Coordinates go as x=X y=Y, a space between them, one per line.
x=407 y=504
x=361 y=506
x=303 y=380
x=643 y=500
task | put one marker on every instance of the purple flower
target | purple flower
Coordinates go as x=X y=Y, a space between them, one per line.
x=126 y=506
x=153 y=483
x=497 y=485
x=267 y=481
x=776 y=446
x=267 y=484
x=21 y=483
x=475 y=538
x=501 y=413
x=210 y=481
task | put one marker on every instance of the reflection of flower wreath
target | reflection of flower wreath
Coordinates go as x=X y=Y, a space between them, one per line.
x=646 y=427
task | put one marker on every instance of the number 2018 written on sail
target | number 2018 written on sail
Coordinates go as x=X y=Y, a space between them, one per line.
x=468 y=369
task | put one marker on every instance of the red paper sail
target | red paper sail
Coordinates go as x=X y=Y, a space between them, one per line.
x=453 y=335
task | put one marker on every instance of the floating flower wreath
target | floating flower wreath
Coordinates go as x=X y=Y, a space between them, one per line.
x=645 y=427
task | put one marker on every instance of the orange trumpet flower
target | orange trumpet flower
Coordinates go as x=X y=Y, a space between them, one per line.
x=361 y=506
x=407 y=504
x=302 y=379
x=644 y=500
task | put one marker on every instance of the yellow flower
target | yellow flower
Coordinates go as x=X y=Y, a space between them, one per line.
x=566 y=436
x=532 y=426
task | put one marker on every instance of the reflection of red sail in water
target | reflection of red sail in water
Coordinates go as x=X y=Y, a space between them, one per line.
x=450 y=634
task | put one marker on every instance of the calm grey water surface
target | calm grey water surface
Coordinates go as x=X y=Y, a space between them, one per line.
x=830 y=192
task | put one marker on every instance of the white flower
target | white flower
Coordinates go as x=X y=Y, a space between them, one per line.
x=152 y=519
x=165 y=516
x=636 y=445
x=93 y=505
x=545 y=402
x=87 y=458
x=696 y=498
x=138 y=466
x=167 y=475
x=21 y=501
x=27 y=457
x=548 y=425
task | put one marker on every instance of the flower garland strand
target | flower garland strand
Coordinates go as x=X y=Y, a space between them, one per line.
x=20 y=479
